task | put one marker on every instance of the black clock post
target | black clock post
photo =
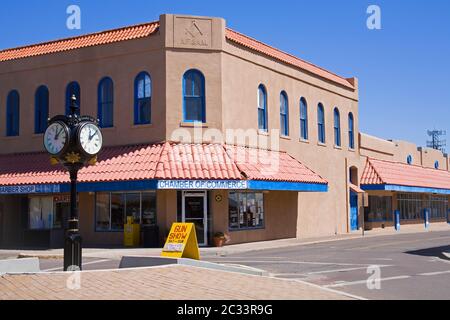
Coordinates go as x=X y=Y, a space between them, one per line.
x=71 y=152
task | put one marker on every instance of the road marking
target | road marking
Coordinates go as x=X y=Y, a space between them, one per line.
x=396 y=243
x=84 y=264
x=434 y=273
x=352 y=283
x=341 y=270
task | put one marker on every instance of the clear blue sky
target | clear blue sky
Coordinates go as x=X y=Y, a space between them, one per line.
x=403 y=69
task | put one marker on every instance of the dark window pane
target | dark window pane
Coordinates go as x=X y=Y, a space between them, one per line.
x=102 y=212
x=149 y=208
x=133 y=207
x=117 y=211
x=193 y=109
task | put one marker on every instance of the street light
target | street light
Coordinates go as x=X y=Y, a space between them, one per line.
x=73 y=141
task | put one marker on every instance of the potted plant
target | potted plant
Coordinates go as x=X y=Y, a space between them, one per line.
x=219 y=239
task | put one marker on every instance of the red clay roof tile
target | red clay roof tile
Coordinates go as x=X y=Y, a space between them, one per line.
x=279 y=55
x=166 y=161
x=89 y=40
x=394 y=173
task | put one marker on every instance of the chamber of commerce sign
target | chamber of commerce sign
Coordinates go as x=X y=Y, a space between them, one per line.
x=201 y=185
x=30 y=189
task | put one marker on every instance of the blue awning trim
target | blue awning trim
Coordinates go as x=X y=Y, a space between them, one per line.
x=398 y=188
x=143 y=185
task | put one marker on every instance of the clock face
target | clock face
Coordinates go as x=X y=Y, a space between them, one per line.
x=55 y=138
x=91 y=139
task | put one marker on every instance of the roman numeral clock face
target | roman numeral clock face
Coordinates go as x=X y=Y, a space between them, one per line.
x=56 y=138
x=91 y=139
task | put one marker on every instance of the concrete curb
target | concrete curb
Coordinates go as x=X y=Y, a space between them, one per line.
x=142 y=262
x=28 y=265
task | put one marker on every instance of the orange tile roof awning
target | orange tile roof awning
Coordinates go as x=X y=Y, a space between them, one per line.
x=148 y=29
x=158 y=162
x=396 y=176
x=84 y=41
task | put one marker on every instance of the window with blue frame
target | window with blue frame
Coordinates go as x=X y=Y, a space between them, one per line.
x=41 y=109
x=284 y=114
x=12 y=114
x=262 y=108
x=73 y=89
x=194 y=103
x=321 y=123
x=143 y=99
x=106 y=103
x=303 y=119
x=351 y=131
x=337 y=127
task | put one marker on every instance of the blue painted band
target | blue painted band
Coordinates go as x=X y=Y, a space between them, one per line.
x=387 y=187
x=143 y=185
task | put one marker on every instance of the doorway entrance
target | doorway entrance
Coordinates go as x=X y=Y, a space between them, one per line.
x=195 y=210
x=353 y=211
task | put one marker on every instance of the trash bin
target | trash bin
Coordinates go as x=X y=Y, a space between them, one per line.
x=151 y=236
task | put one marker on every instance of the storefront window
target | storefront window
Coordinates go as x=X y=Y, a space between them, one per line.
x=246 y=210
x=102 y=212
x=439 y=207
x=117 y=211
x=112 y=209
x=411 y=206
x=149 y=208
x=46 y=213
x=379 y=210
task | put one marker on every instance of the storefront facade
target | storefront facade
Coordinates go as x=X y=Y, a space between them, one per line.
x=175 y=99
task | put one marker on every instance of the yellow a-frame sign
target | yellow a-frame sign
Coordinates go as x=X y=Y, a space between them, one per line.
x=182 y=242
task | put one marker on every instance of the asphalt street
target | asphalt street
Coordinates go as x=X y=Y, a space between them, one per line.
x=409 y=266
x=403 y=266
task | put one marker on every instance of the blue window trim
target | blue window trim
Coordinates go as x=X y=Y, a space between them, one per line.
x=202 y=95
x=398 y=188
x=69 y=92
x=265 y=126
x=436 y=165
x=409 y=159
x=321 y=124
x=351 y=131
x=303 y=119
x=41 y=113
x=284 y=113
x=337 y=127
x=143 y=185
x=13 y=114
x=100 y=102
x=136 y=99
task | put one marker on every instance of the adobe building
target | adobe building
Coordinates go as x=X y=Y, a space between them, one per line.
x=200 y=124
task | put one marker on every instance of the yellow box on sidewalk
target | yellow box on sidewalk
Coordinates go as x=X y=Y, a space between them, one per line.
x=132 y=233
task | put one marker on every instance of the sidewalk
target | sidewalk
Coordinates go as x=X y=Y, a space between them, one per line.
x=117 y=254
x=161 y=283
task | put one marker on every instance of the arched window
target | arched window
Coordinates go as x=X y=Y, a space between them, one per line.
x=321 y=123
x=13 y=114
x=194 y=109
x=143 y=99
x=284 y=114
x=262 y=108
x=106 y=102
x=351 y=131
x=303 y=119
x=41 y=109
x=337 y=127
x=73 y=88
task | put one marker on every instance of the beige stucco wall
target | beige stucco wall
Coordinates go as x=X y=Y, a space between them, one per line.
x=120 y=61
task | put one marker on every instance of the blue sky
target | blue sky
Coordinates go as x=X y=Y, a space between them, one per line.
x=403 y=69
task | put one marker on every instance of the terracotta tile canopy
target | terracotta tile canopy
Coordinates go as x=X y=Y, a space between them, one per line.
x=379 y=172
x=164 y=161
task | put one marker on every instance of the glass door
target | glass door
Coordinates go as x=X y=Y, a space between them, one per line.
x=194 y=210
